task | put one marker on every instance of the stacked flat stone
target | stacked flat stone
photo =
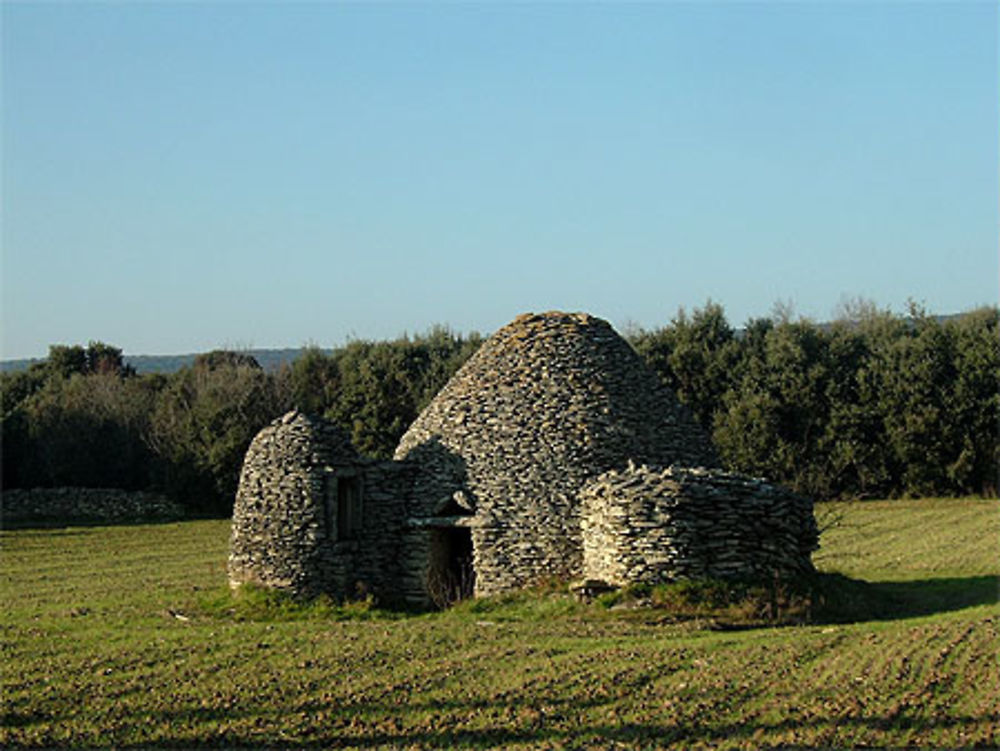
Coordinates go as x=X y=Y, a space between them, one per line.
x=524 y=460
x=285 y=518
x=548 y=403
x=653 y=525
x=278 y=532
x=286 y=525
x=75 y=505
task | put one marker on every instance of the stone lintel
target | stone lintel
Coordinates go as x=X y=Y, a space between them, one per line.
x=442 y=522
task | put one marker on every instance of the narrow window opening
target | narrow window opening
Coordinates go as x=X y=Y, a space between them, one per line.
x=348 y=508
x=328 y=507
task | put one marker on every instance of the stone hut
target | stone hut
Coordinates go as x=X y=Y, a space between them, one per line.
x=547 y=404
x=521 y=469
x=307 y=515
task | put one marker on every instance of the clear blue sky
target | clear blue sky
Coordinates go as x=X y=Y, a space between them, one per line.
x=183 y=176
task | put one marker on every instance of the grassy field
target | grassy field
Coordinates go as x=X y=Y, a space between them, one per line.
x=126 y=637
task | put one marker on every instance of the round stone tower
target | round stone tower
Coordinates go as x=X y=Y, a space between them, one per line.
x=548 y=403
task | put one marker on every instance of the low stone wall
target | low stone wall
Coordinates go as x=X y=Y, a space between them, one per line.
x=76 y=505
x=647 y=525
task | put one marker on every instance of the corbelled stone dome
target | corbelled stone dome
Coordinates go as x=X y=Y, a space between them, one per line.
x=548 y=403
x=279 y=530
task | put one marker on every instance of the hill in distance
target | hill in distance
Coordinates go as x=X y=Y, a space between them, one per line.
x=269 y=359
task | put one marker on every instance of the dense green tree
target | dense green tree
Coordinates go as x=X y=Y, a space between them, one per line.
x=17 y=386
x=441 y=352
x=379 y=391
x=694 y=356
x=873 y=405
x=202 y=426
x=860 y=459
x=13 y=449
x=97 y=357
x=225 y=358
x=909 y=375
x=772 y=421
x=976 y=401
x=375 y=390
x=310 y=383
x=85 y=430
x=65 y=360
x=103 y=358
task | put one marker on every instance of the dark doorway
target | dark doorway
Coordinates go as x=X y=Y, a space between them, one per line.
x=451 y=575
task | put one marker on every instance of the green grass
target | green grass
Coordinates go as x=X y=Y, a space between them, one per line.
x=127 y=637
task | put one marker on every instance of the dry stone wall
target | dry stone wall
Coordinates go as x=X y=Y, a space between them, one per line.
x=545 y=405
x=90 y=505
x=655 y=525
x=383 y=563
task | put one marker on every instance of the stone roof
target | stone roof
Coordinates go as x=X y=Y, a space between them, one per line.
x=561 y=386
x=299 y=438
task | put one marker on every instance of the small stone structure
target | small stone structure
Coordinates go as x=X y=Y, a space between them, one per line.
x=509 y=478
x=312 y=516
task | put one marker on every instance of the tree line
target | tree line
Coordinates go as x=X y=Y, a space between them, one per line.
x=873 y=405
x=83 y=417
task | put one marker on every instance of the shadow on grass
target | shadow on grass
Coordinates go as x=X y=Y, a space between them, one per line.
x=840 y=599
x=814 y=599
x=542 y=733
x=717 y=605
